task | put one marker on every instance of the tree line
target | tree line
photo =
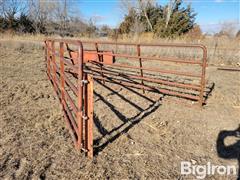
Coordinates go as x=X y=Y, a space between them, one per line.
x=44 y=17
x=63 y=17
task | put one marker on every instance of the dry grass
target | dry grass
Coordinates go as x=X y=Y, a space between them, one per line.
x=221 y=50
x=34 y=143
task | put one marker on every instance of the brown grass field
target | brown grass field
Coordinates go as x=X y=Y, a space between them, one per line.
x=136 y=136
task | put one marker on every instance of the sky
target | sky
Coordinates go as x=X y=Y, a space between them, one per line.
x=210 y=13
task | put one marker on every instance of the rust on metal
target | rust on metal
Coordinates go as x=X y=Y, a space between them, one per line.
x=72 y=66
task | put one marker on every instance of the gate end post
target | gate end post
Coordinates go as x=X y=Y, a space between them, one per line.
x=203 y=75
x=90 y=116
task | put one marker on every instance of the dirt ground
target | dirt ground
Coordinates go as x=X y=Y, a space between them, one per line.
x=136 y=136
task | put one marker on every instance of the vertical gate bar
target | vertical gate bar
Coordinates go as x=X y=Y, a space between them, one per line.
x=140 y=64
x=80 y=95
x=48 y=58
x=90 y=117
x=69 y=53
x=204 y=65
x=50 y=61
x=63 y=100
x=100 y=59
x=45 y=53
x=61 y=52
x=54 y=67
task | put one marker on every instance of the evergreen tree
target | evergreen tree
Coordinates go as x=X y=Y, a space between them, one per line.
x=154 y=12
x=180 y=21
x=128 y=22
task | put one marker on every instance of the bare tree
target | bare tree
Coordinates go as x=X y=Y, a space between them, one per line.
x=143 y=4
x=137 y=27
x=139 y=6
x=125 y=6
x=9 y=9
x=40 y=12
x=64 y=14
x=1 y=7
x=169 y=11
x=52 y=15
x=170 y=7
x=229 y=28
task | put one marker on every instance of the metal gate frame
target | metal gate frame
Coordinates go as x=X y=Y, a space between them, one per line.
x=200 y=62
x=81 y=124
x=79 y=116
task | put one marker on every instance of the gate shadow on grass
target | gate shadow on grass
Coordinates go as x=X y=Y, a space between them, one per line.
x=230 y=151
x=127 y=123
x=208 y=91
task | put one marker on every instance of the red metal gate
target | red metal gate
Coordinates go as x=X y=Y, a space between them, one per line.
x=76 y=98
x=83 y=61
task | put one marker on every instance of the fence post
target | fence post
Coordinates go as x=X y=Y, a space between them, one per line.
x=140 y=64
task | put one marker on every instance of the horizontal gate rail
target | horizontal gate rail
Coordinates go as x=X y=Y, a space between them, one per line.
x=72 y=65
x=169 y=59
x=190 y=86
x=151 y=69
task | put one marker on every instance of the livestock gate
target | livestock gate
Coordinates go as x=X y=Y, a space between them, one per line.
x=72 y=65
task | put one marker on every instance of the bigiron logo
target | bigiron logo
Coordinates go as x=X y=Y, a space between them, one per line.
x=201 y=171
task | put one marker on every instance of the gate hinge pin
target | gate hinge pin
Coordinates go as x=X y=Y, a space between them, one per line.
x=84 y=150
x=84 y=82
x=85 y=117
